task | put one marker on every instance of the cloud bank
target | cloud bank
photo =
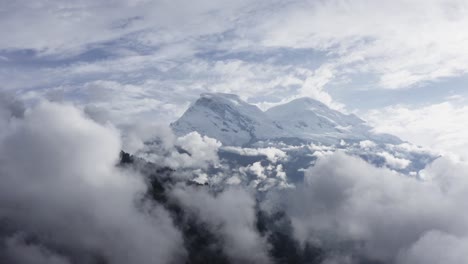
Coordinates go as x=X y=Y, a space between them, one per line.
x=355 y=208
x=435 y=125
x=65 y=199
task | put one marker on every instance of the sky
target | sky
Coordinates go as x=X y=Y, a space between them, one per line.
x=401 y=65
x=82 y=80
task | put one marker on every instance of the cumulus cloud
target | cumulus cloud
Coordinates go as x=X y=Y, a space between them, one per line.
x=257 y=169
x=18 y=251
x=66 y=201
x=436 y=247
x=201 y=147
x=191 y=151
x=9 y=108
x=367 y=144
x=262 y=177
x=62 y=189
x=394 y=162
x=385 y=215
x=230 y=214
x=273 y=154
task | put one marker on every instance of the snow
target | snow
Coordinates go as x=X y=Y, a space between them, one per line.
x=234 y=122
x=227 y=118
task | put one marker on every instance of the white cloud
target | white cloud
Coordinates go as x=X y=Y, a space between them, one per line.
x=439 y=126
x=201 y=148
x=230 y=213
x=394 y=162
x=258 y=170
x=61 y=185
x=136 y=87
x=367 y=144
x=314 y=86
x=437 y=248
x=273 y=154
x=188 y=152
x=54 y=27
x=404 y=42
x=344 y=199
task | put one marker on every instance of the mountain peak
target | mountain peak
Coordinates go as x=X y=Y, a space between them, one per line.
x=309 y=106
x=223 y=99
x=233 y=121
x=220 y=95
x=307 y=101
x=227 y=118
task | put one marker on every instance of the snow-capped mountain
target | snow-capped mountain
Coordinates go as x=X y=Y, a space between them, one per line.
x=234 y=122
x=228 y=119
x=307 y=118
x=301 y=130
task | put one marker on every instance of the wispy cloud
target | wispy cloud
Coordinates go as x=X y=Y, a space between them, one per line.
x=152 y=58
x=439 y=126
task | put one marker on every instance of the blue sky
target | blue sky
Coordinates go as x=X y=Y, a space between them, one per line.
x=145 y=61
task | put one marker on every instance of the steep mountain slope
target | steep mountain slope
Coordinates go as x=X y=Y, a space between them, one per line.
x=234 y=122
x=271 y=149
x=227 y=118
x=310 y=119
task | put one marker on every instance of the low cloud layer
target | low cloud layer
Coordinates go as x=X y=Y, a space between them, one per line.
x=66 y=201
x=66 y=197
x=436 y=125
x=230 y=214
x=381 y=214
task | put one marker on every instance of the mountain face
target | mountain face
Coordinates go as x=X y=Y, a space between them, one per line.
x=298 y=132
x=229 y=119
x=236 y=123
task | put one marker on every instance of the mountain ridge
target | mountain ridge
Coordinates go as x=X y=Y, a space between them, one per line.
x=235 y=122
